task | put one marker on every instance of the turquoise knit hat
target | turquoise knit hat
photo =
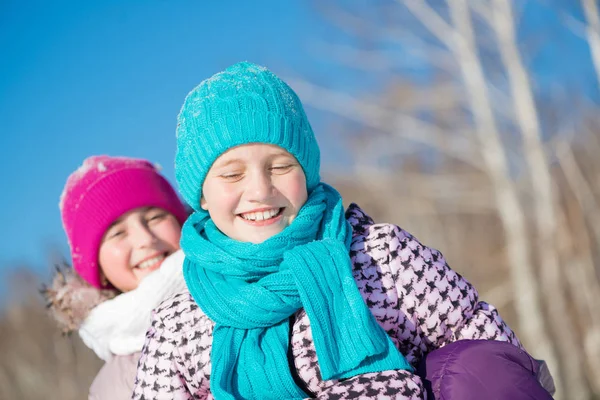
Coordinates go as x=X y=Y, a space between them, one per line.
x=244 y=104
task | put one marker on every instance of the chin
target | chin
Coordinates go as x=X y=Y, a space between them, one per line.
x=259 y=238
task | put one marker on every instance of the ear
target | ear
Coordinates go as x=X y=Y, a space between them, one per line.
x=103 y=279
x=203 y=203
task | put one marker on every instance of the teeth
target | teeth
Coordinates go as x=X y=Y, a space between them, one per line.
x=151 y=261
x=260 y=216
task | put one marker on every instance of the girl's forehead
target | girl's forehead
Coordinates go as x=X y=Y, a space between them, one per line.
x=250 y=152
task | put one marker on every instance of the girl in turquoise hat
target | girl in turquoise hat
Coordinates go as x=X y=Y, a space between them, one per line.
x=291 y=295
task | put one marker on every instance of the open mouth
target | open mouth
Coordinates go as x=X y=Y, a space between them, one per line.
x=262 y=215
x=153 y=262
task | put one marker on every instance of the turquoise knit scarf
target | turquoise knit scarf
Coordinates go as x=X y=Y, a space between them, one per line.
x=251 y=290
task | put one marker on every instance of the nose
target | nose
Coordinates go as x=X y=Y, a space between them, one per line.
x=141 y=235
x=260 y=186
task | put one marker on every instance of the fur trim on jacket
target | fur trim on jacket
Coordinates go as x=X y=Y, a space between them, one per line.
x=70 y=299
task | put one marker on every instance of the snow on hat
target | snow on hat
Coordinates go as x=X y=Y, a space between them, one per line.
x=99 y=192
x=244 y=104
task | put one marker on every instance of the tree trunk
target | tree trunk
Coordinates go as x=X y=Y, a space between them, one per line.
x=543 y=196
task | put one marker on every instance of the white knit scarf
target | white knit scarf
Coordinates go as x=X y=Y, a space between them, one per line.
x=118 y=326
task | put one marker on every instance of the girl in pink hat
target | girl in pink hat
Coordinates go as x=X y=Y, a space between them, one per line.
x=123 y=223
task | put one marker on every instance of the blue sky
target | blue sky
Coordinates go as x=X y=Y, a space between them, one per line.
x=108 y=77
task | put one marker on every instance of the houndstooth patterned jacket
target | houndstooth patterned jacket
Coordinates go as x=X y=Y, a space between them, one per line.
x=420 y=302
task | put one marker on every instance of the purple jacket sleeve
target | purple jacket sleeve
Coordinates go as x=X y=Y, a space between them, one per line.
x=481 y=369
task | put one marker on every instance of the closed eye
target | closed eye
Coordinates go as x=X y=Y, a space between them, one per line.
x=114 y=233
x=231 y=177
x=156 y=216
x=282 y=168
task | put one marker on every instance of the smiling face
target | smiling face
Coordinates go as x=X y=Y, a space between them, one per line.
x=136 y=244
x=253 y=192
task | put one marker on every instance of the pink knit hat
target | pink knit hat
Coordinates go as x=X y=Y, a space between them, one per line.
x=99 y=192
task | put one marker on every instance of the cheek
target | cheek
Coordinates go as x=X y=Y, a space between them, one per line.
x=221 y=199
x=112 y=257
x=294 y=190
x=170 y=232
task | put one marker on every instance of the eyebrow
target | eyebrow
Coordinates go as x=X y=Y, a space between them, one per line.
x=227 y=163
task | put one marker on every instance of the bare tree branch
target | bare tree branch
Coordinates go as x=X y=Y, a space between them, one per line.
x=483 y=10
x=370 y=115
x=590 y=9
x=367 y=60
x=431 y=20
